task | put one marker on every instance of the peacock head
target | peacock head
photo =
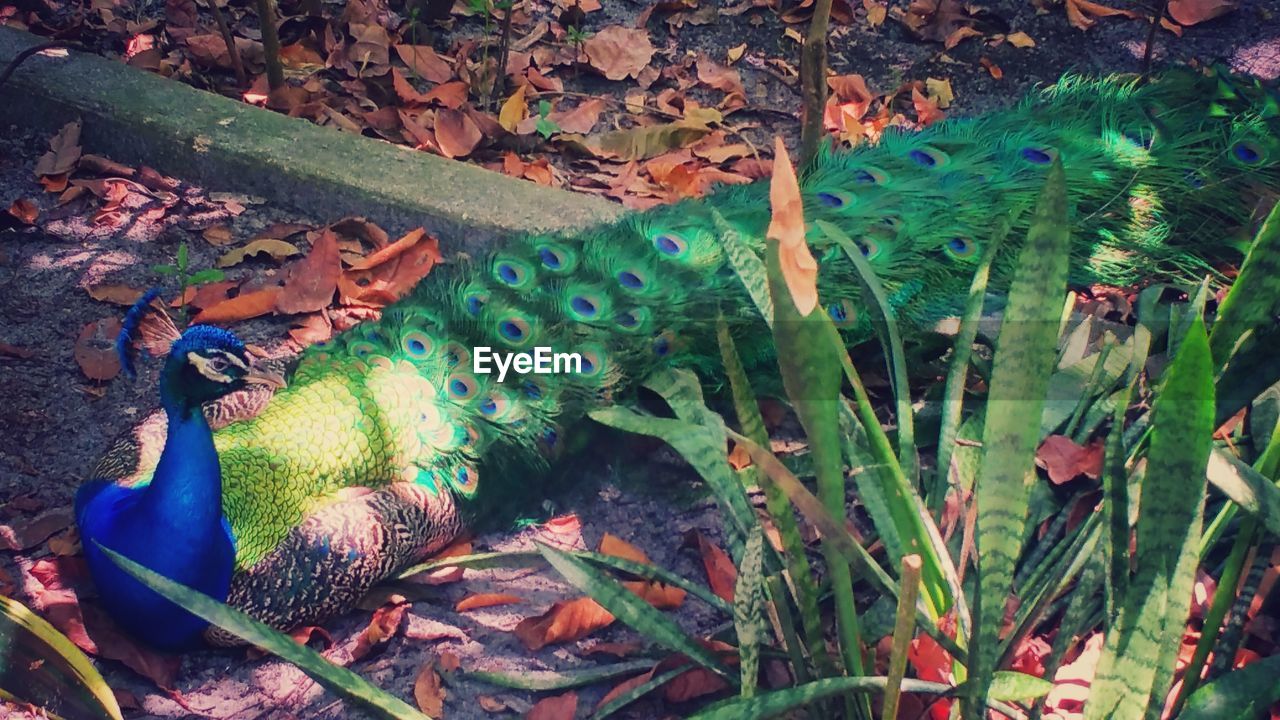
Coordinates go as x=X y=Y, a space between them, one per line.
x=206 y=363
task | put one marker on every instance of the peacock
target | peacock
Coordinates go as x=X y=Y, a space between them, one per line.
x=388 y=442
x=174 y=524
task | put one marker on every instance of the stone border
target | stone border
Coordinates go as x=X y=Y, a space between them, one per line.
x=136 y=117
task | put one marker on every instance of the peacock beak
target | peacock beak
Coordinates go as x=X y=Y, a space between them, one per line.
x=265 y=376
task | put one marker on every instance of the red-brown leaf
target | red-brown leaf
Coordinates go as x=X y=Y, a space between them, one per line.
x=309 y=283
x=558 y=707
x=241 y=307
x=456 y=133
x=382 y=627
x=95 y=350
x=721 y=573
x=484 y=600
x=26 y=535
x=1064 y=460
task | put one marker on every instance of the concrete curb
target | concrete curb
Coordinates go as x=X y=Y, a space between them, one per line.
x=136 y=117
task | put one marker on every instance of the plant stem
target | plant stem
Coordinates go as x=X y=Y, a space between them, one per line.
x=500 y=72
x=225 y=30
x=813 y=80
x=270 y=44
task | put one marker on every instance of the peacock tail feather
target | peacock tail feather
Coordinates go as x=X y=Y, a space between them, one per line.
x=387 y=435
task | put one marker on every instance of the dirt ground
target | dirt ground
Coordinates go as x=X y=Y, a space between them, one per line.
x=54 y=423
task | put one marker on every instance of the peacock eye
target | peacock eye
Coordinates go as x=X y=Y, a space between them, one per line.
x=218 y=364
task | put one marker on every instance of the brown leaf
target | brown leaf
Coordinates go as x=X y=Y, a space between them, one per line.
x=1064 y=460
x=724 y=79
x=309 y=283
x=657 y=594
x=619 y=52
x=619 y=650
x=451 y=95
x=786 y=226
x=386 y=283
x=370 y=53
x=991 y=67
x=1083 y=13
x=424 y=61
x=34 y=531
x=936 y=20
x=95 y=350
x=25 y=210
x=456 y=133
x=407 y=93
x=241 y=307
x=122 y=295
x=390 y=252
x=276 y=249
x=428 y=692
x=1193 y=12
x=484 y=600
x=218 y=235
x=100 y=165
x=382 y=627
x=211 y=293
x=927 y=112
x=565 y=621
x=312 y=329
x=580 y=119
x=721 y=573
x=64 y=152
x=559 y=707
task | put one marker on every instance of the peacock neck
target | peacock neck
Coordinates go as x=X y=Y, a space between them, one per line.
x=185 y=493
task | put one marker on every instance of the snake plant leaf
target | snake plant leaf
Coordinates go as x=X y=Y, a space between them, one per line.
x=1254 y=297
x=338 y=679
x=1137 y=663
x=543 y=680
x=1241 y=694
x=1025 y=355
x=41 y=666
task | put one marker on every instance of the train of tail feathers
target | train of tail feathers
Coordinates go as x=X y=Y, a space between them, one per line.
x=379 y=448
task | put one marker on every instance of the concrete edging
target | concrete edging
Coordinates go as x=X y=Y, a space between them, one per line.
x=135 y=117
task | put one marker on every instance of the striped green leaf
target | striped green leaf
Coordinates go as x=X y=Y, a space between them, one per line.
x=1242 y=694
x=543 y=680
x=39 y=665
x=1254 y=297
x=748 y=612
x=779 y=702
x=1025 y=355
x=1137 y=663
x=338 y=679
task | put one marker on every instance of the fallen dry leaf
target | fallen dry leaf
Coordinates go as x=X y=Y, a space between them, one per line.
x=382 y=627
x=722 y=575
x=122 y=295
x=25 y=211
x=991 y=67
x=1064 y=460
x=566 y=620
x=456 y=133
x=514 y=109
x=218 y=235
x=484 y=600
x=424 y=61
x=927 y=112
x=428 y=691
x=95 y=350
x=370 y=53
x=276 y=249
x=1083 y=14
x=558 y=707
x=309 y=283
x=241 y=307
x=1020 y=40
x=619 y=52
x=638 y=143
x=1193 y=12
x=64 y=152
